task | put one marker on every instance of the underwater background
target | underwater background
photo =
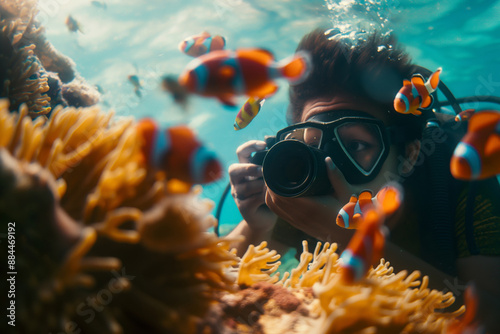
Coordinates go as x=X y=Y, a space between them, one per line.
x=126 y=37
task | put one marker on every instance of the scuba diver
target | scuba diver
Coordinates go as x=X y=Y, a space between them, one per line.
x=348 y=137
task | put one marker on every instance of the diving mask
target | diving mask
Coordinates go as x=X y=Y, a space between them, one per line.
x=357 y=143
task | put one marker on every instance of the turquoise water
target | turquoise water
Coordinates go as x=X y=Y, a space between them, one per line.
x=141 y=37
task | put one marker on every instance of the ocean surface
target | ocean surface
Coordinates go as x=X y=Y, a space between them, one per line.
x=140 y=37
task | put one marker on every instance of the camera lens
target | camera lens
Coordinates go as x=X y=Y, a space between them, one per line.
x=293 y=169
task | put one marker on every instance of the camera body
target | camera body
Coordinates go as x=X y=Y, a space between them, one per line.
x=293 y=169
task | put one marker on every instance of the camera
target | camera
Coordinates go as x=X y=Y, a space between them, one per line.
x=293 y=169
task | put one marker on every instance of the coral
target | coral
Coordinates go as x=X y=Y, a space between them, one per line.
x=55 y=279
x=381 y=302
x=129 y=250
x=31 y=70
x=254 y=266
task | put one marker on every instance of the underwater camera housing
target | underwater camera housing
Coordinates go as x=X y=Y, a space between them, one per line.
x=293 y=169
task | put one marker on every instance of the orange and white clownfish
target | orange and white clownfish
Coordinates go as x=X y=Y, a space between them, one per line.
x=248 y=112
x=178 y=153
x=226 y=74
x=366 y=246
x=351 y=214
x=468 y=323
x=201 y=44
x=464 y=115
x=477 y=155
x=416 y=94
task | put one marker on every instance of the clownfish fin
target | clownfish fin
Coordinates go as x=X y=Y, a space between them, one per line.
x=468 y=322
x=365 y=195
x=263 y=56
x=427 y=102
x=297 y=68
x=355 y=222
x=353 y=199
x=390 y=198
x=378 y=245
x=416 y=112
x=264 y=91
x=433 y=81
x=227 y=100
x=406 y=83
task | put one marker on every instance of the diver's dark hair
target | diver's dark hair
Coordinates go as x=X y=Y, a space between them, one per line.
x=373 y=70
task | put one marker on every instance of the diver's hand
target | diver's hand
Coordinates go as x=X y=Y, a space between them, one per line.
x=248 y=189
x=316 y=215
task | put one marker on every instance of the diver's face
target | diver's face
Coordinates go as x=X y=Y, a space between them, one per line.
x=315 y=215
x=342 y=102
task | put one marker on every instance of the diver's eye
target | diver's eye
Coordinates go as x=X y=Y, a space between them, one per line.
x=357 y=146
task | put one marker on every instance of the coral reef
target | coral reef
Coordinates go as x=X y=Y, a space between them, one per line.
x=31 y=70
x=106 y=244
x=128 y=250
x=383 y=302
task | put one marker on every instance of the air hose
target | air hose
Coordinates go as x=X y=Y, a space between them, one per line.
x=439 y=236
x=219 y=208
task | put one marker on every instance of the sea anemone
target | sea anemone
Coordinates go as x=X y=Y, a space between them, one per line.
x=128 y=249
x=313 y=297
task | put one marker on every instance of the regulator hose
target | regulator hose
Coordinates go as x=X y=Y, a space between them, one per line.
x=219 y=208
x=439 y=236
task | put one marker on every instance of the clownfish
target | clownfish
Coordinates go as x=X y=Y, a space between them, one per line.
x=351 y=214
x=416 y=94
x=225 y=74
x=366 y=246
x=464 y=115
x=201 y=44
x=248 y=112
x=136 y=82
x=477 y=155
x=178 y=153
x=468 y=322
x=73 y=24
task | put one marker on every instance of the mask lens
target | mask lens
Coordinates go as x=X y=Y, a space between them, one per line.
x=310 y=136
x=362 y=142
